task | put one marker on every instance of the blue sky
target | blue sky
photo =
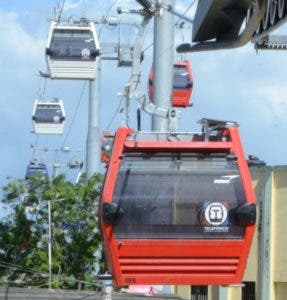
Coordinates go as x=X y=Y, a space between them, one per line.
x=238 y=85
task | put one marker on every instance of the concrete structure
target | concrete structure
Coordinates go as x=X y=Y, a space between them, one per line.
x=265 y=277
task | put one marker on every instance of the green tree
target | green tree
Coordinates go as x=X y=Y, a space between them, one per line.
x=76 y=245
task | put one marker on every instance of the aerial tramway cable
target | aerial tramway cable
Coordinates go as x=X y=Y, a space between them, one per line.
x=75 y=113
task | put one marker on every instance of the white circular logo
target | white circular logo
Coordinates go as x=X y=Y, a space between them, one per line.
x=56 y=119
x=86 y=53
x=215 y=213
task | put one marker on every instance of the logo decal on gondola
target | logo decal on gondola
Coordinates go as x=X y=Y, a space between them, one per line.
x=56 y=119
x=225 y=179
x=214 y=217
x=86 y=53
x=215 y=214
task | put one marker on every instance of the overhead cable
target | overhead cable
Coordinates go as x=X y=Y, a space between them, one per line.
x=115 y=113
x=61 y=11
x=176 y=24
x=30 y=270
x=21 y=268
x=107 y=14
x=186 y=11
x=75 y=113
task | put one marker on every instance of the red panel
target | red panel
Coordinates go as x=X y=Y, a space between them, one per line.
x=178 y=269
x=180 y=98
x=109 y=243
x=181 y=146
x=175 y=262
x=180 y=261
x=178 y=248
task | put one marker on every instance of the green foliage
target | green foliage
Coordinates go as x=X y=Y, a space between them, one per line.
x=76 y=244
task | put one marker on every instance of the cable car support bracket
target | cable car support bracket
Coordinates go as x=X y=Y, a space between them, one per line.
x=133 y=86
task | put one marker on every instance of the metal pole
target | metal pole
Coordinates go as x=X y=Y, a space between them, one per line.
x=163 y=64
x=93 y=149
x=264 y=288
x=49 y=244
x=56 y=169
x=107 y=292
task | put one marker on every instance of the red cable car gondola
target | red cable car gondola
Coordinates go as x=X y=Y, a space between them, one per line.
x=179 y=208
x=182 y=84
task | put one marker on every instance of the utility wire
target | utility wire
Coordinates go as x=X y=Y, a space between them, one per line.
x=14 y=283
x=118 y=110
x=21 y=268
x=35 y=146
x=45 y=283
x=45 y=87
x=176 y=24
x=83 y=8
x=107 y=14
x=61 y=11
x=146 y=48
x=185 y=12
x=30 y=270
x=75 y=112
x=115 y=113
x=40 y=95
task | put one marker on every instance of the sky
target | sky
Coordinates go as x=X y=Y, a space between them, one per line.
x=238 y=85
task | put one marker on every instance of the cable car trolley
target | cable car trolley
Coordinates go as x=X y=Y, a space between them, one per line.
x=36 y=169
x=72 y=50
x=48 y=116
x=182 y=84
x=177 y=208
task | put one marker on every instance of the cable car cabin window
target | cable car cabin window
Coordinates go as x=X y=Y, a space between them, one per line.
x=48 y=114
x=178 y=196
x=73 y=44
x=36 y=171
x=181 y=78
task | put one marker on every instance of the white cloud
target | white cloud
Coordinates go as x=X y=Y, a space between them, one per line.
x=270 y=102
x=21 y=56
x=69 y=5
x=16 y=43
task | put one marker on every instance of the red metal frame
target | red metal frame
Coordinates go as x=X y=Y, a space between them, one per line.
x=180 y=97
x=191 y=262
x=105 y=155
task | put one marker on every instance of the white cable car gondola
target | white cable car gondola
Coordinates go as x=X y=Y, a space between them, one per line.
x=48 y=116
x=72 y=51
x=36 y=169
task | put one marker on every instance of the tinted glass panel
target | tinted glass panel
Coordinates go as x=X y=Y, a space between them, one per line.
x=178 y=196
x=199 y=292
x=181 y=78
x=73 y=44
x=48 y=114
x=36 y=172
x=249 y=291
